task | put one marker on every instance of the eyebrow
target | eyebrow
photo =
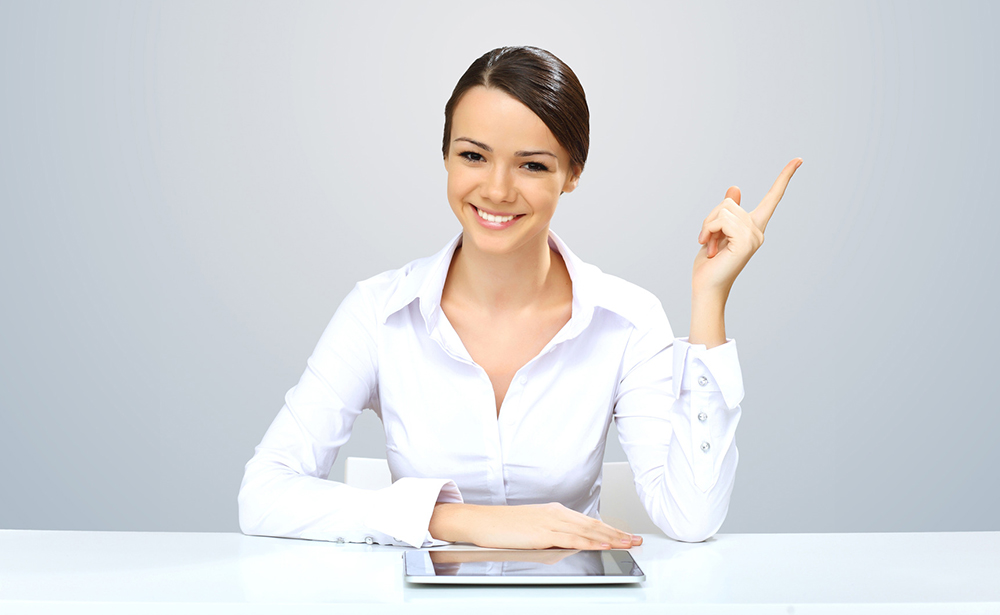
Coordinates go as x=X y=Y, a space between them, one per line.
x=520 y=154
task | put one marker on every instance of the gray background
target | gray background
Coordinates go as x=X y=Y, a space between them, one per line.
x=189 y=189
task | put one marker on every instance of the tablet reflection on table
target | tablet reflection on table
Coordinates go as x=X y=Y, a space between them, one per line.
x=548 y=562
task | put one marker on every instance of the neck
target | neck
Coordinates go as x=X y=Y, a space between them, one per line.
x=508 y=282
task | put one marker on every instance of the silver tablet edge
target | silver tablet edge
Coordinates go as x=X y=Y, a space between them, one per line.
x=514 y=580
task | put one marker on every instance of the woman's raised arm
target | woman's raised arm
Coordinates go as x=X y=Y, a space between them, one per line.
x=729 y=236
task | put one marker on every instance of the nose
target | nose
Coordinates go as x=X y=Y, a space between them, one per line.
x=499 y=185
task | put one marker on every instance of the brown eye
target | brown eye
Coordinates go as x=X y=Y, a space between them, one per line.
x=472 y=156
x=536 y=167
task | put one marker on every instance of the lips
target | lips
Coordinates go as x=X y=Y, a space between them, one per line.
x=494 y=220
x=494 y=217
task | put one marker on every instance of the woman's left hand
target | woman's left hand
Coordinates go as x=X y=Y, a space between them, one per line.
x=730 y=235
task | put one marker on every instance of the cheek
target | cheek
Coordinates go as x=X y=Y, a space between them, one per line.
x=455 y=180
x=541 y=195
x=453 y=188
x=460 y=184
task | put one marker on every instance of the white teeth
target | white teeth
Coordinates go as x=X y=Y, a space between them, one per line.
x=492 y=218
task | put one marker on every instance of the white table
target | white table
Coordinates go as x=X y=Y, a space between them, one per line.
x=153 y=572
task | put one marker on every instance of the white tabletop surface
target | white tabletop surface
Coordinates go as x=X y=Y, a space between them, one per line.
x=129 y=572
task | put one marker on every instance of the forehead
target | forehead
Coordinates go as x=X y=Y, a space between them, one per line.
x=499 y=120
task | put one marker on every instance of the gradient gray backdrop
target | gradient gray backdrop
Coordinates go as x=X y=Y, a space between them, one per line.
x=189 y=189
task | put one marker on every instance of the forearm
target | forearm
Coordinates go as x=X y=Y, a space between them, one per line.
x=708 y=318
x=449 y=521
x=684 y=459
x=274 y=501
x=686 y=511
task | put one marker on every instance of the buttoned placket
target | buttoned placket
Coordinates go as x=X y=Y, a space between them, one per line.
x=445 y=335
x=701 y=429
x=495 y=427
x=511 y=414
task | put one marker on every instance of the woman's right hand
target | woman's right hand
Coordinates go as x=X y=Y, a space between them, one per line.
x=532 y=526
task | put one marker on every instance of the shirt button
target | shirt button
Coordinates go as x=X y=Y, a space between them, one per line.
x=702 y=417
x=702 y=380
x=369 y=540
x=705 y=446
x=340 y=540
x=523 y=380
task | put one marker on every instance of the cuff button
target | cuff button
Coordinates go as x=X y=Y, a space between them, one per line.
x=702 y=380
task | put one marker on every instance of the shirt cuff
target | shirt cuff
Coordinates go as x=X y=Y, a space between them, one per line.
x=698 y=368
x=403 y=510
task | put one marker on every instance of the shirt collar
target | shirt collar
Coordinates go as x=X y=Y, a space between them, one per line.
x=423 y=281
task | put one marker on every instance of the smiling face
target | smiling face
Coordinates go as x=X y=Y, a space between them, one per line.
x=506 y=171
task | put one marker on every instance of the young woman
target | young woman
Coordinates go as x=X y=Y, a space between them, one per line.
x=497 y=365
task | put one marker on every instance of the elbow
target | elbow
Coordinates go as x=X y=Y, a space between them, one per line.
x=693 y=525
x=247 y=514
x=691 y=534
x=695 y=514
x=255 y=501
x=249 y=504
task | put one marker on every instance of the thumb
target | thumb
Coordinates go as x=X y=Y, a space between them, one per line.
x=734 y=194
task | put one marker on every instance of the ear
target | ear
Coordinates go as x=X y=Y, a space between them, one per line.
x=572 y=180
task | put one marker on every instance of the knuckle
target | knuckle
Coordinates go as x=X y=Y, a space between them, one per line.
x=555 y=508
x=575 y=542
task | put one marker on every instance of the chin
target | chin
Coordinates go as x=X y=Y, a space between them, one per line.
x=487 y=242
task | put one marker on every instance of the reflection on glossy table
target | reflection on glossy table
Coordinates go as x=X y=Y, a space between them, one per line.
x=154 y=572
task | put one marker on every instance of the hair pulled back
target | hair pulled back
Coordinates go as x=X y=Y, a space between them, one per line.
x=541 y=82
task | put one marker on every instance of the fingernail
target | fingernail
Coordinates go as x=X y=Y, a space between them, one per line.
x=604 y=544
x=626 y=541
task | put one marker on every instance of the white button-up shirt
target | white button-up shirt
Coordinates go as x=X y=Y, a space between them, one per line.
x=390 y=347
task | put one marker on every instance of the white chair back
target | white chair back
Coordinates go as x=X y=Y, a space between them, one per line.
x=620 y=504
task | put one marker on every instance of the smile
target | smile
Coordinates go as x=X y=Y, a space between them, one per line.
x=492 y=218
x=496 y=222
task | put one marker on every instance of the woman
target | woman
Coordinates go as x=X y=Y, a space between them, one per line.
x=497 y=364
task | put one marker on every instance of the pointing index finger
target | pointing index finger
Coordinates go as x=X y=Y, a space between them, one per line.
x=763 y=212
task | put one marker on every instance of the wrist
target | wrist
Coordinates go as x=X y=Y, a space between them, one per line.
x=712 y=299
x=708 y=319
x=449 y=522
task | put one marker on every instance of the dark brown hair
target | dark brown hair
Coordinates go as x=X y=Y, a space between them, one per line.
x=543 y=83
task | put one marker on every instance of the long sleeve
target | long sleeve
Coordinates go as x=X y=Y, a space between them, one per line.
x=676 y=411
x=284 y=490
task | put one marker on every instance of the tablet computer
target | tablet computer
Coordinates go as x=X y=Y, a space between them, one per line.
x=521 y=567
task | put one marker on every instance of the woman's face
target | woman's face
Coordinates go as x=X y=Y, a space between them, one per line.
x=505 y=172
